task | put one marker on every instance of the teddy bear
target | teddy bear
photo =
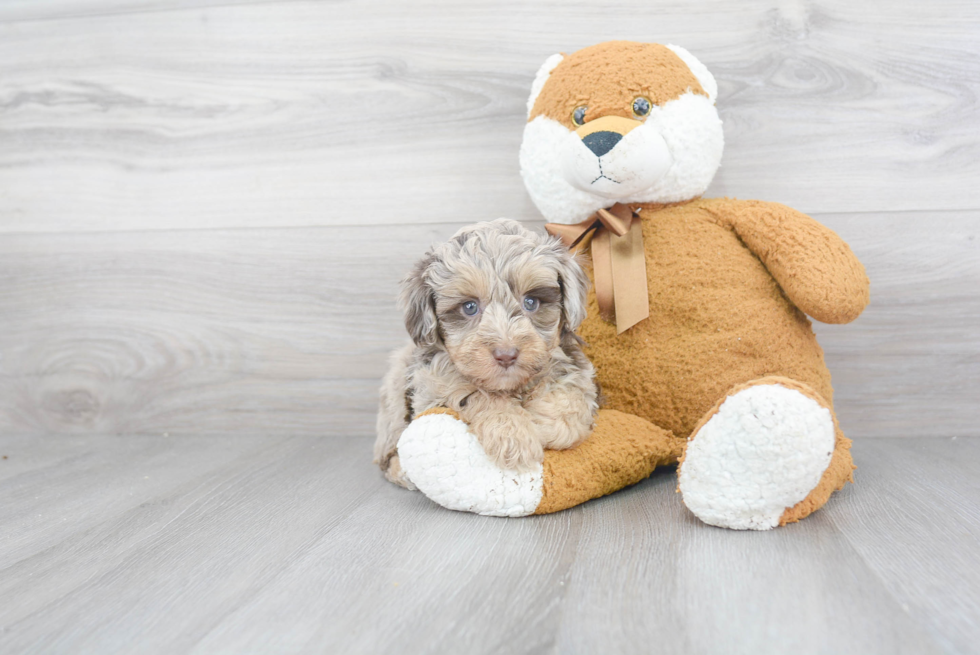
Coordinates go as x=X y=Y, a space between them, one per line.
x=698 y=318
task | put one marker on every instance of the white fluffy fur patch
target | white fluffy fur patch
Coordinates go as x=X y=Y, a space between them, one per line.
x=446 y=462
x=542 y=168
x=690 y=129
x=638 y=159
x=539 y=80
x=700 y=71
x=763 y=452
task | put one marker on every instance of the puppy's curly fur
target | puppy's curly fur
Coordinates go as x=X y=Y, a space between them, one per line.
x=492 y=315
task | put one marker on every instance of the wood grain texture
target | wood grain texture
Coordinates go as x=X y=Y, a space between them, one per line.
x=33 y=10
x=285 y=331
x=931 y=508
x=205 y=208
x=288 y=331
x=910 y=365
x=297 y=545
x=123 y=116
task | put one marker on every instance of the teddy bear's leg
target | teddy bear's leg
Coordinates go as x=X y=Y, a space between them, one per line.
x=622 y=450
x=767 y=454
x=445 y=461
x=840 y=472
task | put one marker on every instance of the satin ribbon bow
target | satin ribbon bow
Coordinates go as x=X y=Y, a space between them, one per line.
x=618 y=262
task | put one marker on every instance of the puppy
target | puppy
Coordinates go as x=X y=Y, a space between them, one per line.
x=492 y=316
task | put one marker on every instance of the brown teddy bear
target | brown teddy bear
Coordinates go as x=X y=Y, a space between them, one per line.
x=697 y=323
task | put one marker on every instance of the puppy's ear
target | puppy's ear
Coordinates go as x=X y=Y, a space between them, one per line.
x=418 y=304
x=574 y=286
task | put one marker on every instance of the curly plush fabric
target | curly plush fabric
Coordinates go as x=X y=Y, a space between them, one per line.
x=622 y=450
x=839 y=470
x=728 y=281
x=445 y=461
x=720 y=314
x=613 y=73
x=762 y=449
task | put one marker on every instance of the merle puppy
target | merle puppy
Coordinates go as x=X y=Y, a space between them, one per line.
x=492 y=316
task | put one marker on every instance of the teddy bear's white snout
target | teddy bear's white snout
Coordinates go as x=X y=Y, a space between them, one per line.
x=613 y=166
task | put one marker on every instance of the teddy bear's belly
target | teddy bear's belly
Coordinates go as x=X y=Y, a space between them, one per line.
x=717 y=319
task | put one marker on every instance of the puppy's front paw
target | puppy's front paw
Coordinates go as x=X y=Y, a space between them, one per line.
x=565 y=431
x=511 y=441
x=562 y=420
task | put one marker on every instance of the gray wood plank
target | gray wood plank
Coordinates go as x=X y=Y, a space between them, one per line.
x=910 y=365
x=288 y=330
x=429 y=581
x=914 y=517
x=646 y=569
x=19 y=455
x=297 y=545
x=305 y=113
x=33 y=10
x=56 y=486
x=157 y=576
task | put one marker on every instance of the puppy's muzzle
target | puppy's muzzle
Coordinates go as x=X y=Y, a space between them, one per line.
x=506 y=357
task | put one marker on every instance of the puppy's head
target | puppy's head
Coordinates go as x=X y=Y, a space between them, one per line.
x=498 y=298
x=619 y=122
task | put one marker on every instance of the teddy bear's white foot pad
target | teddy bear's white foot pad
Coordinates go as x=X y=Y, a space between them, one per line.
x=762 y=452
x=446 y=462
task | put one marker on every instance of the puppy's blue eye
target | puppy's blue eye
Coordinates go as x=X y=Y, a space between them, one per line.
x=470 y=308
x=641 y=106
x=531 y=304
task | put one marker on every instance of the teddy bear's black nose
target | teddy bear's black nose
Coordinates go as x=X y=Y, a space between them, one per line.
x=601 y=142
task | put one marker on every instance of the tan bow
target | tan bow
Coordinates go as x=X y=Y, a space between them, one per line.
x=618 y=262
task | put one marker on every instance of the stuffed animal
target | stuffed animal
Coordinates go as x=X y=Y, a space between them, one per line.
x=697 y=322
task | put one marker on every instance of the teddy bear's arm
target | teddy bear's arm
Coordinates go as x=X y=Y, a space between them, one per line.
x=816 y=269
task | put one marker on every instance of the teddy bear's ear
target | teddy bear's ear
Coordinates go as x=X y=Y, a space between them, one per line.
x=541 y=78
x=700 y=71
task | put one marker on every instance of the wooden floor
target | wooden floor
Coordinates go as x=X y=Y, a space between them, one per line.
x=249 y=545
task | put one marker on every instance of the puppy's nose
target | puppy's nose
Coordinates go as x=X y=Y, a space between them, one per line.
x=505 y=356
x=602 y=142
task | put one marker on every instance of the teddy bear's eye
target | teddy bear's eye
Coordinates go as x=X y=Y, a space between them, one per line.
x=578 y=116
x=641 y=106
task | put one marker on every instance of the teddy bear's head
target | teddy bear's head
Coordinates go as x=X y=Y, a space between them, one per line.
x=619 y=122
